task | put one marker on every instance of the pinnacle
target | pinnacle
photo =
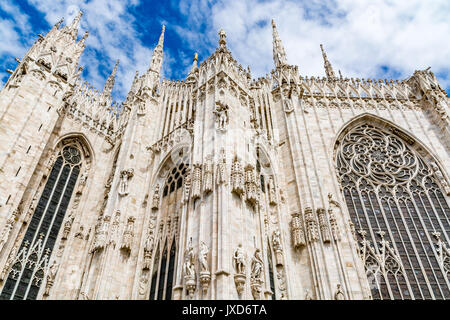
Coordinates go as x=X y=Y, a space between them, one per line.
x=223 y=38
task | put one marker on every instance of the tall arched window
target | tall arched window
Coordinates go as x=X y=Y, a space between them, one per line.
x=271 y=279
x=399 y=211
x=164 y=261
x=31 y=263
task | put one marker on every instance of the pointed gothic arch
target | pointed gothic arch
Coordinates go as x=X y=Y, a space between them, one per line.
x=169 y=189
x=395 y=192
x=67 y=169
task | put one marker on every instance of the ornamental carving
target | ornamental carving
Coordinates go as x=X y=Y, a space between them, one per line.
x=196 y=181
x=251 y=187
x=221 y=175
x=385 y=177
x=208 y=170
x=440 y=177
x=6 y=231
x=311 y=225
x=324 y=230
x=101 y=234
x=298 y=234
x=128 y=235
x=237 y=177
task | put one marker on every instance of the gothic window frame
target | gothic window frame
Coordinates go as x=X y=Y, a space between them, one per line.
x=67 y=165
x=166 y=238
x=375 y=246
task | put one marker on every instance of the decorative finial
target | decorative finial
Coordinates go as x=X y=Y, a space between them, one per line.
x=59 y=23
x=223 y=38
x=328 y=68
x=194 y=62
x=161 y=37
x=86 y=34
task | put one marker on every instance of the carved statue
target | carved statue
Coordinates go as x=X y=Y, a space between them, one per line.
x=208 y=176
x=51 y=277
x=272 y=192
x=276 y=241
x=67 y=227
x=128 y=234
x=256 y=272
x=189 y=270
x=288 y=106
x=50 y=162
x=203 y=256
x=222 y=168
x=79 y=233
x=125 y=175
x=339 y=294
x=308 y=295
x=221 y=112
x=189 y=261
x=239 y=263
x=83 y=180
x=31 y=209
x=257 y=265
x=148 y=251
x=156 y=197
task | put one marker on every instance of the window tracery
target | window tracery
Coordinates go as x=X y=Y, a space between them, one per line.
x=392 y=193
x=163 y=270
x=31 y=264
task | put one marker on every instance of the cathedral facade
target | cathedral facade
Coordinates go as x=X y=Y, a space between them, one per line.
x=221 y=186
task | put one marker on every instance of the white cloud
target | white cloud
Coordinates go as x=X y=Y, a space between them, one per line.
x=362 y=38
x=359 y=36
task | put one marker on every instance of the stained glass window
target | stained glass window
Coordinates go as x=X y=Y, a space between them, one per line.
x=163 y=273
x=27 y=273
x=399 y=211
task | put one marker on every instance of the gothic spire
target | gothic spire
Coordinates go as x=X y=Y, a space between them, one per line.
x=73 y=29
x=194 y=62
x=109 y=85
x=328 y=68
x=158 y=53
x=279 y=55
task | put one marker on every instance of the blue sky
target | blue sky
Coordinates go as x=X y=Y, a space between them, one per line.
x=363 y=38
